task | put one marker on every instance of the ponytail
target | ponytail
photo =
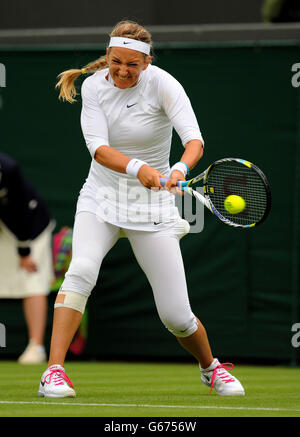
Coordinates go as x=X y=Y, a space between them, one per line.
x=66 y=83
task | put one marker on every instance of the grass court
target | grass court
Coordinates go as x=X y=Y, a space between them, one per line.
x=118 y=389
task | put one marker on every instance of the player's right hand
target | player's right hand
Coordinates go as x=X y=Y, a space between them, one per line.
x=171 y=184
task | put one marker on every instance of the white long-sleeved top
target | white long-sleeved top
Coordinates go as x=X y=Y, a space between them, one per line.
x=138 y=122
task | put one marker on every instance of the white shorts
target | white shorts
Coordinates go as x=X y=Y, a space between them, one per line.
x=16 y=282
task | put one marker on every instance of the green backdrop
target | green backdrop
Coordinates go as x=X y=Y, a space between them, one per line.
x=243 y=285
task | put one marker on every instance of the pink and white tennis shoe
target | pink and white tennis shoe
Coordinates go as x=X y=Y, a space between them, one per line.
x=216 y=376
x=56 y=384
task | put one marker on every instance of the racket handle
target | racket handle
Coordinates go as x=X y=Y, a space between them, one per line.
x=180 y=184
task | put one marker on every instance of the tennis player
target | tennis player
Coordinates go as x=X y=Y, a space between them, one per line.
x=129 y=108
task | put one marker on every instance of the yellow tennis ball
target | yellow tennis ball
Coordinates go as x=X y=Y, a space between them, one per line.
x=234 y=204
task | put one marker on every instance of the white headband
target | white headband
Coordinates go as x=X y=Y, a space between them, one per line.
x=129 y=43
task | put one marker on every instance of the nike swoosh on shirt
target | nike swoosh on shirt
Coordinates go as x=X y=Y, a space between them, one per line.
x=129 y=106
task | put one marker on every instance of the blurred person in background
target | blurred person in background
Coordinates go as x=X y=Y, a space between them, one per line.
x=26 y=267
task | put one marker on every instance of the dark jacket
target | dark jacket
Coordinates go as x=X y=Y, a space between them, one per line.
x=22 y=209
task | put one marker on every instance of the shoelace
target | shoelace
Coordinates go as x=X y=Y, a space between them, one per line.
x=59 y=377
x=225 y=376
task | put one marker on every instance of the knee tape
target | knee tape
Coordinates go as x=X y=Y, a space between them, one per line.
x=71 y=299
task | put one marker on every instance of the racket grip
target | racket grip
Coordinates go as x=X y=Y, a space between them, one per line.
x=180 y=184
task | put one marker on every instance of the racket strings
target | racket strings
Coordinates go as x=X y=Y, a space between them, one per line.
x=236 y=178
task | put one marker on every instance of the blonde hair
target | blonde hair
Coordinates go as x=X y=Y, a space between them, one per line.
x=66 y=83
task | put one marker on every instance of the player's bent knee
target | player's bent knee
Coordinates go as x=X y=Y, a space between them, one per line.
x=182 y=329
x=84 y=271
x=71 y=299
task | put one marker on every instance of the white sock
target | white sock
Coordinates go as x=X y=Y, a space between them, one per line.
x=211 y=367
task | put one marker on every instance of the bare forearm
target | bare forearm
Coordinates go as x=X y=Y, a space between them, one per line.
x=112 y=158
x=193 y=153
x=115 y=160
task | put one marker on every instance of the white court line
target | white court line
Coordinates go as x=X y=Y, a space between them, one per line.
x=200 y=407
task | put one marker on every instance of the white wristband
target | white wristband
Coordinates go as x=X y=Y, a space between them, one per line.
x=133 y=166
x=180 y=166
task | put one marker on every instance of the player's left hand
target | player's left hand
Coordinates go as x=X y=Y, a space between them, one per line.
x=27 y=263
x=171 y=184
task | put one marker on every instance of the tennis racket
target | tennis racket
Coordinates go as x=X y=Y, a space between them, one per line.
x=232 y=176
